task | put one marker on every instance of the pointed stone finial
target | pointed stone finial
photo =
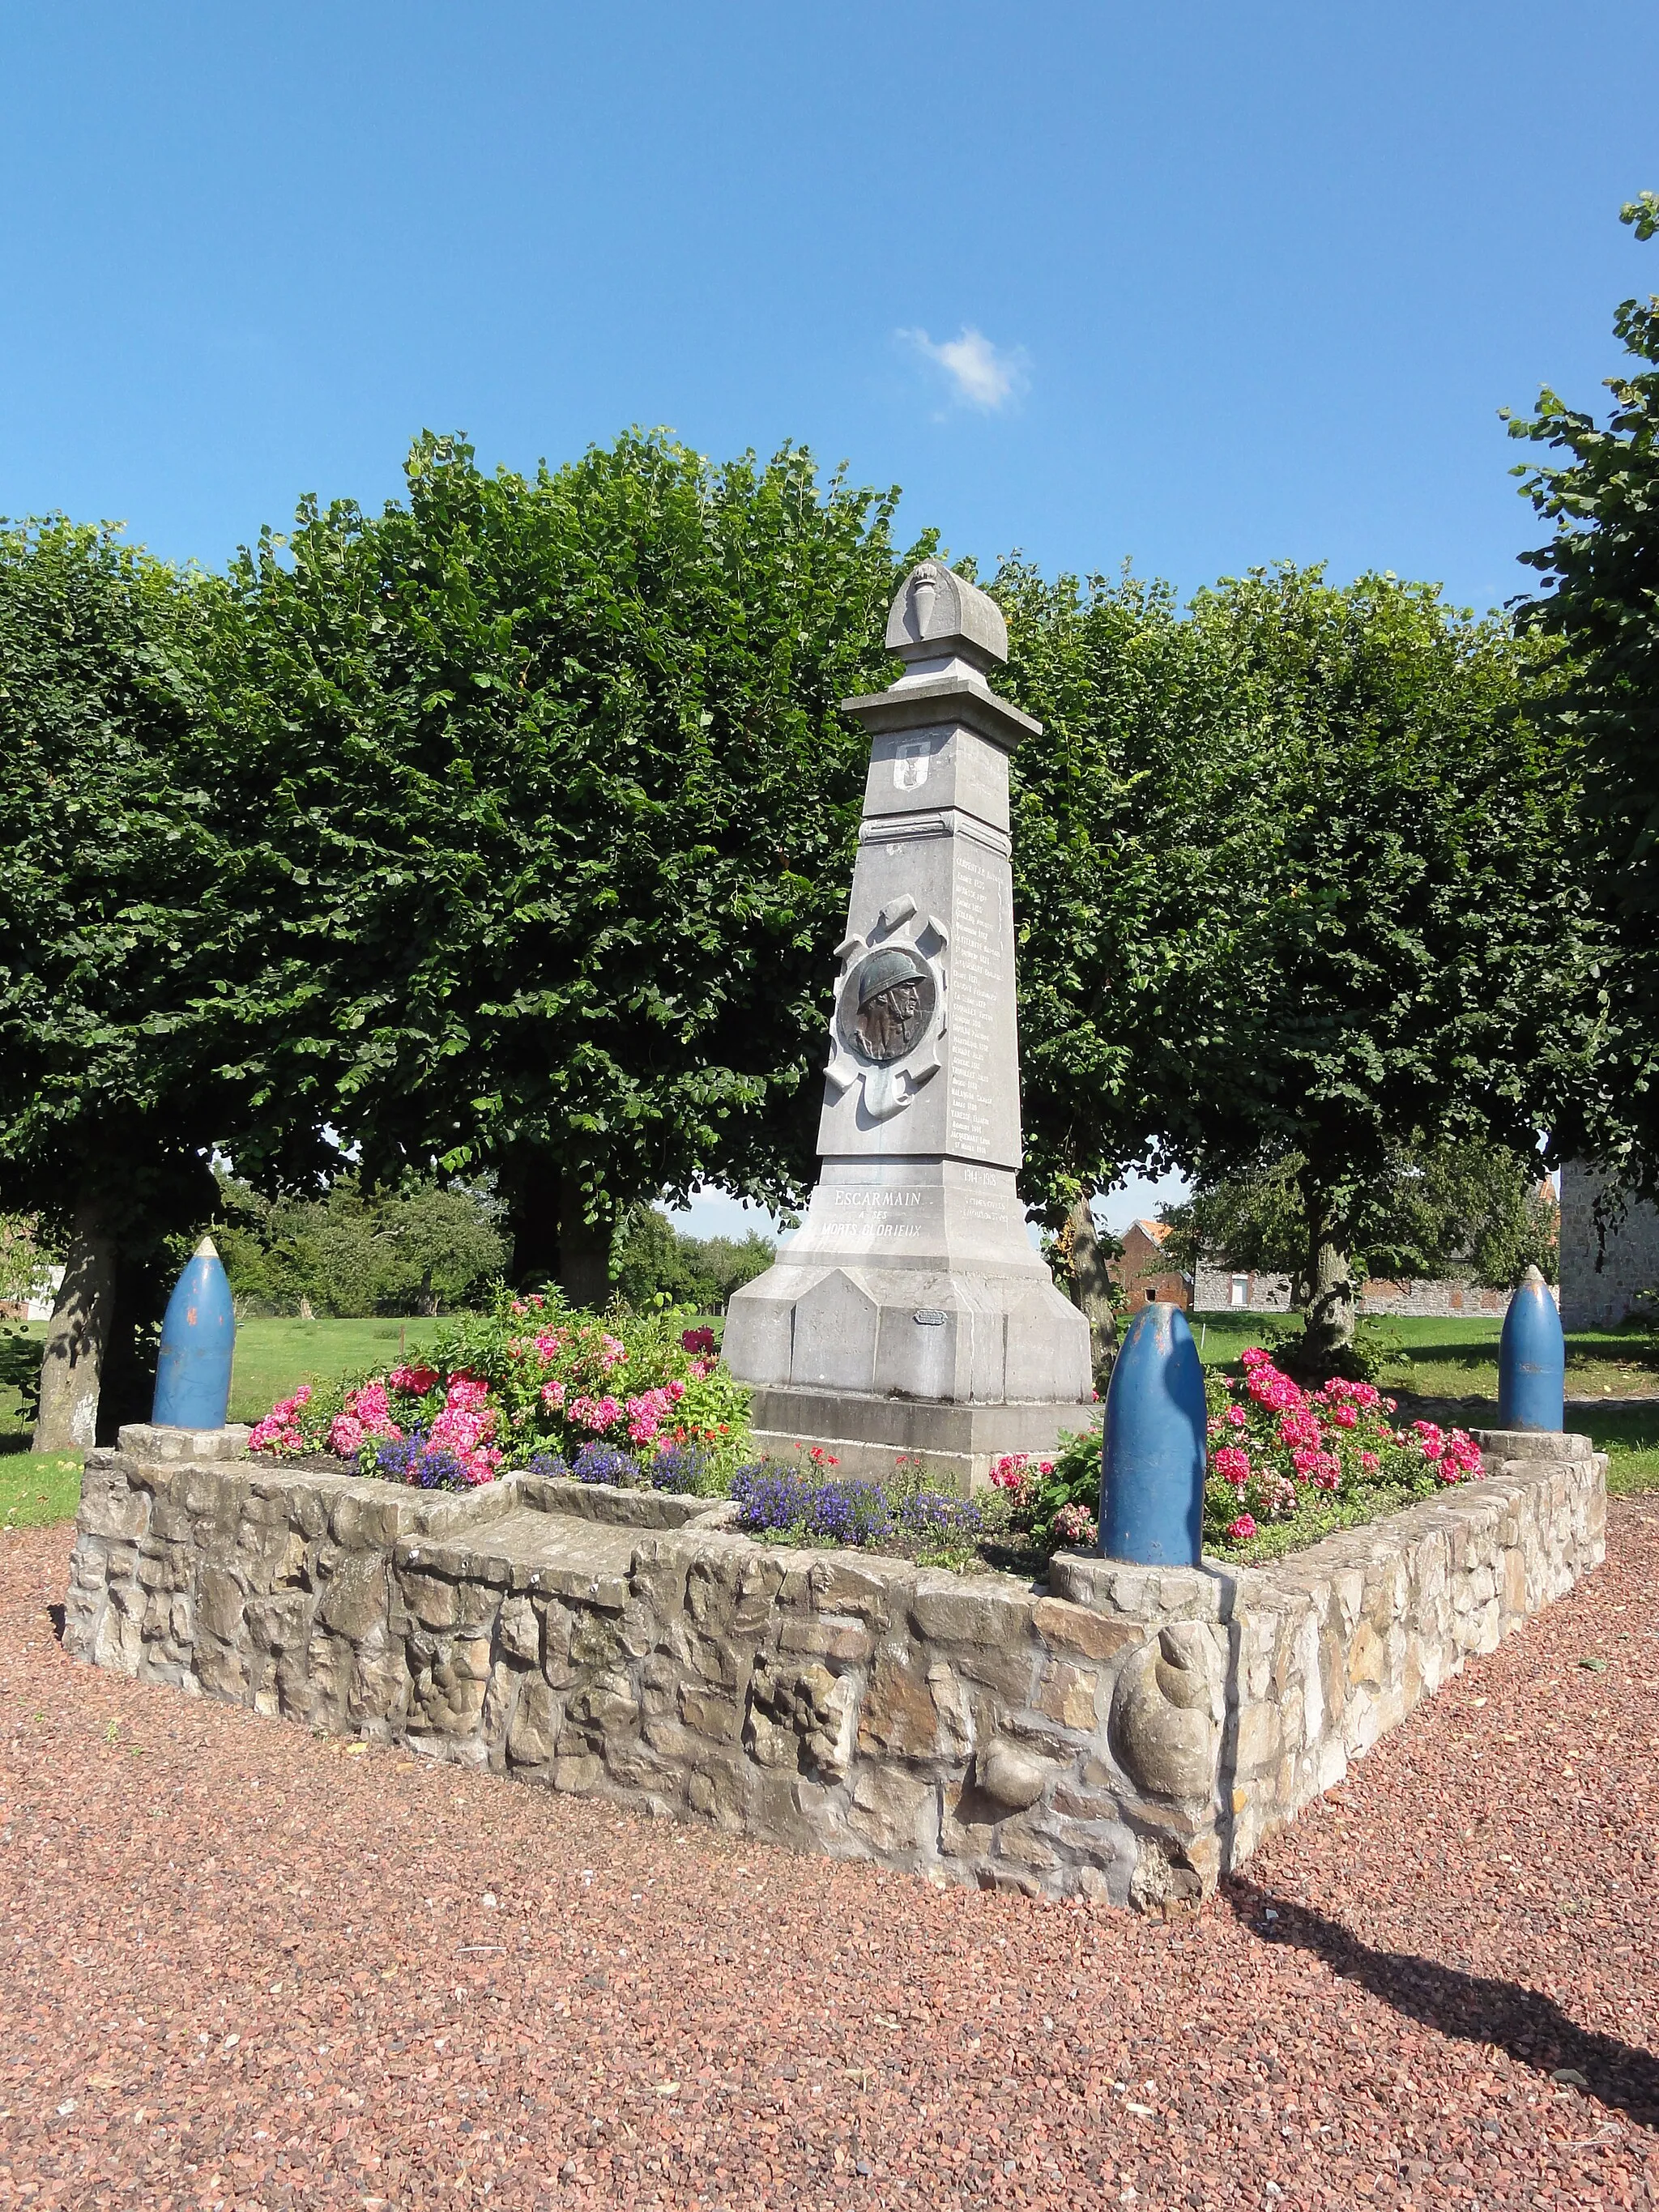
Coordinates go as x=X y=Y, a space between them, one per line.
x=1532 y=1359
x=198 y=1341
x=1155 y=1449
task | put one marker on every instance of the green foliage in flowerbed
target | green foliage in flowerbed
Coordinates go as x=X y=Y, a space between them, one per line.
x=532 y=1380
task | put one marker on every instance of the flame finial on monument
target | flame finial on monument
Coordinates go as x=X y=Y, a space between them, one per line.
x=909 y=1315
x=941 y=616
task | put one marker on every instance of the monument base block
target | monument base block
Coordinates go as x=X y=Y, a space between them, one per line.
x=953 y=1445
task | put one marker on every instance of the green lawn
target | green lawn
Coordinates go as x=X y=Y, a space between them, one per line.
x=273 y=1357
x=36 y=1487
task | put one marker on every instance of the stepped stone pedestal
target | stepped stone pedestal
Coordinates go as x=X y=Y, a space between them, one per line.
x=908 y=1316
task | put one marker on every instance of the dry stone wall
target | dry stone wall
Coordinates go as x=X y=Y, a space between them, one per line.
x=1122 y=1733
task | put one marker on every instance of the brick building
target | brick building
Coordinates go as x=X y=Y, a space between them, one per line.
x=1144 y=1272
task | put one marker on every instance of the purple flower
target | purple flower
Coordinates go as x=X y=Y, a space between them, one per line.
x=412 y=1459
x=677 y=1467
x=597 y=1462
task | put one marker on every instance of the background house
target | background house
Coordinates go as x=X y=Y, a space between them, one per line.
x=1218 y=1286
x=1145 y=1273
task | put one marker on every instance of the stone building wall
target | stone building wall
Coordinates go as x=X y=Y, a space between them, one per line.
x=1266 y=1293
x=1599 y=1283
x=1123 y=1732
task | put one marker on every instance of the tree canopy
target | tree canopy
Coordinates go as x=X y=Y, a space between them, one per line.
x=420 y=1249
x=1478 y=1212
x=123 y=927
x=561 y=812
x=1301 y=865
x=1601 y=567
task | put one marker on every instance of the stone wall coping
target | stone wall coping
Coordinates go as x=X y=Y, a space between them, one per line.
x=1557 y=1445
x=142 y=1440
x=1218 y=1590
x=632 y=1509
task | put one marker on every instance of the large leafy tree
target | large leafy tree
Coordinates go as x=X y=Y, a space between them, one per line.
x=123 y=930
x=1471 y=1210
x=565 y=811
x=1602 y=566
x=1301 y=864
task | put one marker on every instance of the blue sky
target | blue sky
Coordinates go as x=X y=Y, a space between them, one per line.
x=1195 y=286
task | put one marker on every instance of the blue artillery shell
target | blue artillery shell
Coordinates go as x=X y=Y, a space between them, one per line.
x=198 y=1337
x=1532 y=1360
x=1155 y=1444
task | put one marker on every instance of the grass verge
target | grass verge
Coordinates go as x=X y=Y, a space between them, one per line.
x=37 y=1488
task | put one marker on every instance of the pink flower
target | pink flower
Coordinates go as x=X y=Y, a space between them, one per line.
x=1346 y=1417
x=1073 y=1525
x=1010 y=1472
x=645 y=1416
x=465 y=1394
x=596 y=1413
x=345 y=1436
x=549 y=1344
x=280 y=1430
x=1277 y=1392
x=1238 y=1416
x=1233 y=1465
x=613 y=1350
x=1370 y=1461
x=676 y=1390
x=553 y=1396
x=1242 y=1530
x=1256 y=1357
x=697 y=1341
x=415 y=1381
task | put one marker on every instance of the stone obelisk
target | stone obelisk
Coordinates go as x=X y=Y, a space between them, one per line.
x=908 y=1315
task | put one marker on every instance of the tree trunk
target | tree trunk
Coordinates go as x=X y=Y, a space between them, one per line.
x=554 y=1243
x=533 y=1217
x=77 y=1336
x=584 y=1250
x=1328 y=1318
x=1091 y=1287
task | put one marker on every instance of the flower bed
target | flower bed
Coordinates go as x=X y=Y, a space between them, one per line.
x=641 y=1402
x=532 y=1381
x=1288 y=1465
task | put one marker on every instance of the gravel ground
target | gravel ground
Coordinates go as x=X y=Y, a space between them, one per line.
x=243 y=1966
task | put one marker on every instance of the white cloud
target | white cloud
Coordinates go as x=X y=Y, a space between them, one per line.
x=982 y=374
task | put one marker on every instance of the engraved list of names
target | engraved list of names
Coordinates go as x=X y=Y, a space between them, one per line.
x=979 y=950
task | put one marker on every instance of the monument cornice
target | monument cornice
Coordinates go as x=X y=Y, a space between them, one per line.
x=935 y=701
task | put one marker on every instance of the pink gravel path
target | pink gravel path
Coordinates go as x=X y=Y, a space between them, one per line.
x=240 y=1966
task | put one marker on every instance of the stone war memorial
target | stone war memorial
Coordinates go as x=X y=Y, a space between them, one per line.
x=908 y=1314
x=1126 y=1730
